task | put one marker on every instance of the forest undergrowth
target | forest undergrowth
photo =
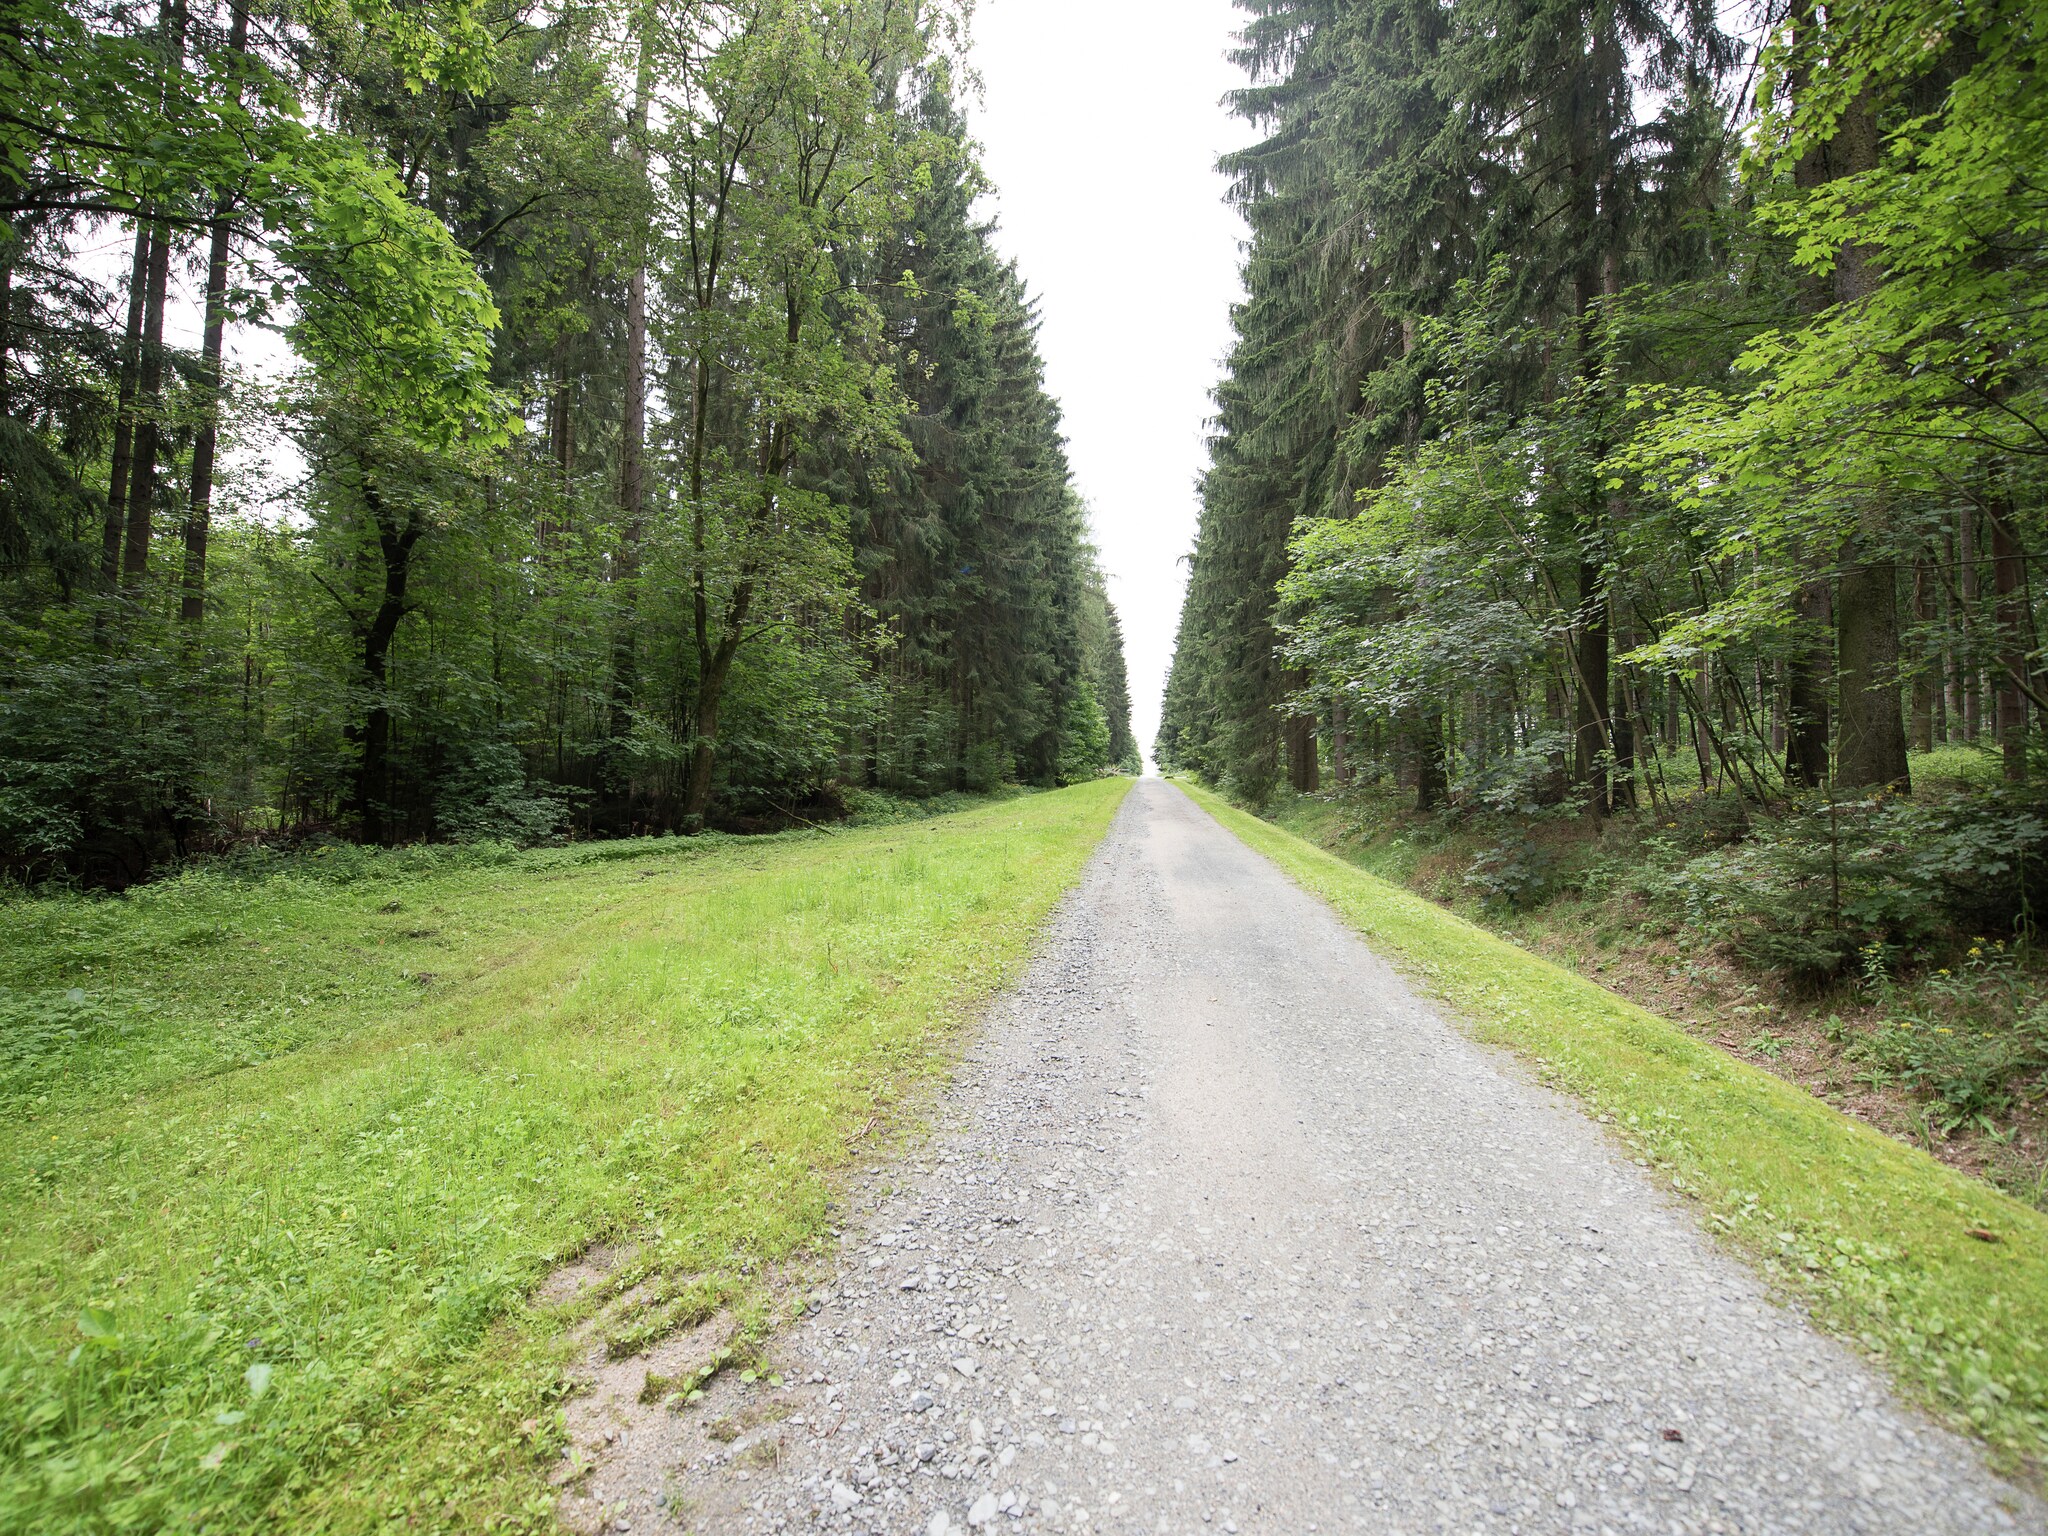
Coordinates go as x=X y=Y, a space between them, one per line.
x=296 y=1140
x=1843 y=963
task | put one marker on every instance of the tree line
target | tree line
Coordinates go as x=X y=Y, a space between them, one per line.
x=1621 y=405
x=662 y=440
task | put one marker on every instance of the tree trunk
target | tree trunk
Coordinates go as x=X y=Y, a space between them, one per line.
x=9 y=249
x=199 y=508
x=1966 y=581
x=1873 y=733
x=150 y=372
x=2008 y=577
x=704 y=748
x=1808 y=729
x=1622 y=727
x=1806 y=690
x=1340 y=744
x=148 y=409
x=1702 y=725
x=1304 y=768
x=395 y=545
x=1873 y=736
x=1592 y=737
x=1925 y=691
x=122 y=457
x=1432 y=781
x=625 y=680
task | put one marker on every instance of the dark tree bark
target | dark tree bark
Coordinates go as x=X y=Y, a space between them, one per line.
x=1432 y=778
x=149 y=382
x=625 y=678
x=8 y=241
x=1873 y=734
x=1808 y=729
x=2008 y=576
x=1807 y=726
x=1926 y=692
x=1592 y=728
x=395 y=545
x=1967 y=580
x=1304 y=766
x=122 y=458
x=199 y=506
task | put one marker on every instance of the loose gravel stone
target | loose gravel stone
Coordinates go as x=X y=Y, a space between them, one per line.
x=1224 y=1228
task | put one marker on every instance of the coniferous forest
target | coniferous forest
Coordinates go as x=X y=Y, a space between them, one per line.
x=652 y=437
x=1628 y=416
x=449 y=446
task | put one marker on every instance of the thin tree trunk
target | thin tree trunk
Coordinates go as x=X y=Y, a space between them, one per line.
x=1432 y=779
x=122 y=459
x=2009 y=585
x=625 y=681
x=1967 y=579
x=1925 y=692
x=1622 y=730
x=199 y=507
x=1702 y=726
x=150 y=373
x=1592 y=730
x=9 y=248
x=148 y=409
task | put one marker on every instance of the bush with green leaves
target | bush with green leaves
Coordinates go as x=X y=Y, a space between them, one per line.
x=1806 y=894
x=1516 y=873
x=487 y=798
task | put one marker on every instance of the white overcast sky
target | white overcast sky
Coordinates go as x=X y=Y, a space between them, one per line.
x=1101 y=123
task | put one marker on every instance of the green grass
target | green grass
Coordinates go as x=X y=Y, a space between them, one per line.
x=289 y=1152
x=1873 y=1236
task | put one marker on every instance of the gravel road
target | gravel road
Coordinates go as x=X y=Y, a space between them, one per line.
x=1224 y=1229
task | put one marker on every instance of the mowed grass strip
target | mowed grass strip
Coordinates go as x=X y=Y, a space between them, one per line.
x=1939 y=1276
x=286 y=1158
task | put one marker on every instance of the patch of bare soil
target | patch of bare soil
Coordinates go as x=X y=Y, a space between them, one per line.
x=625 y=1421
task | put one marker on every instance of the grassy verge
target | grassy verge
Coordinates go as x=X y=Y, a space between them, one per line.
x=289 y=1154
x=1944 y=1045
x=1875 y=1237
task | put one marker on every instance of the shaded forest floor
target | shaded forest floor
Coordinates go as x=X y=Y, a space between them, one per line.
x=1883 y=1050
x=298 y=1142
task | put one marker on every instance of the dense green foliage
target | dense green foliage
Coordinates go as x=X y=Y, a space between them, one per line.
x=1619 y=414
x=663 y=440
x=299 y=1135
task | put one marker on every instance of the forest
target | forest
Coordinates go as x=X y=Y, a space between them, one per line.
x=1628 y=483
x=491 y=421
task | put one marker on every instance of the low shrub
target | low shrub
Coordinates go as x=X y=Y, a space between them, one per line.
x=1806 y=894
x=1970 y=1039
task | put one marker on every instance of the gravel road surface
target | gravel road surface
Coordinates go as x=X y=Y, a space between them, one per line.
x=1224 y=1229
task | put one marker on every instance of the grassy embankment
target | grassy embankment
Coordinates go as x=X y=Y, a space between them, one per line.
x=1945 y=1046
x=288 y=1154
x=1878 y=1239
